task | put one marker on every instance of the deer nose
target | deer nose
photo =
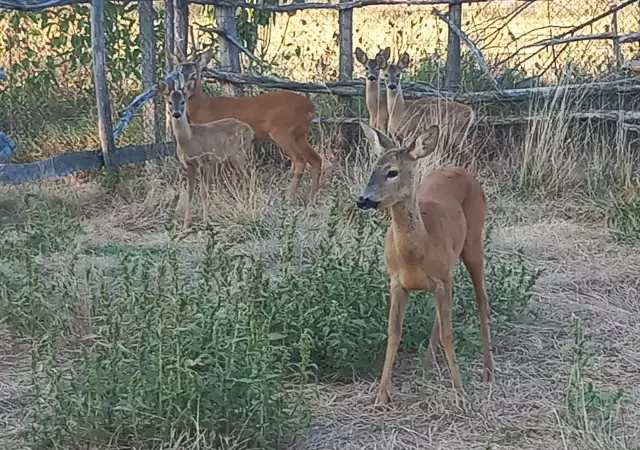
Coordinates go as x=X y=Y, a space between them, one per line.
x=371 y=78
x=366 y=203
x=392 y=87
x=177 y=115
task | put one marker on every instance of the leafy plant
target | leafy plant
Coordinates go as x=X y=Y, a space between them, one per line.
x=588 y=407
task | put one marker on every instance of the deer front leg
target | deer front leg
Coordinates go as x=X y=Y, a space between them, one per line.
x=191 y=179
x=443 y=295
x=397 y=310
x=205 y=180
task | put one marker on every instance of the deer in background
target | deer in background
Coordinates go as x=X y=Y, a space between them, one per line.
x=376 y=101
x=281 y=116
x=200 y=146
x=432 y=225
x=415 y=116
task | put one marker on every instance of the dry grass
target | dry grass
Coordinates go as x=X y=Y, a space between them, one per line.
x=585 y=275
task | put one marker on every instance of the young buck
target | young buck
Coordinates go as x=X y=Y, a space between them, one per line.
x=201 y=146
x=414 y=116
x=375 y=100
x=281 y=116
x=432 y=225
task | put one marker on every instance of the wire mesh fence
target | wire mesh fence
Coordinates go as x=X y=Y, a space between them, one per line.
x=47 y=54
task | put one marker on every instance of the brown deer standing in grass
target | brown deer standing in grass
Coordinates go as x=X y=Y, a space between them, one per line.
x=200 y=146
x=376 y=101
x=281 y=116
x=415 y=116
x=432 y=225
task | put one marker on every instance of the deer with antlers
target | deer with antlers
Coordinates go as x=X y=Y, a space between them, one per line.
x=375 y=100
x=200 y=146
x=281 y=116
x=411 y=116
x=432 y=225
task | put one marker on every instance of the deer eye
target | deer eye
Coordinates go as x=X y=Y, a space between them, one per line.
x=392 y=174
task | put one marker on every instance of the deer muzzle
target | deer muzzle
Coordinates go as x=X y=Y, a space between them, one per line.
x=366 y=203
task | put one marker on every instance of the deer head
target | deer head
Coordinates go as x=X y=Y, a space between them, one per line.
x=392 y=178
x=371 y=66
x=191 y=68
x=393 y=72
x=175 y=94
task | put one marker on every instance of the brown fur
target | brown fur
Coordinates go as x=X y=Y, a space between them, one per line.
x=432 y=225
x=281 y=116
x=201 y=146
x=409 y=117
x=376 y=101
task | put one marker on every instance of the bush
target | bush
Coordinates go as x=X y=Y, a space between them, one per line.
x=155 y=347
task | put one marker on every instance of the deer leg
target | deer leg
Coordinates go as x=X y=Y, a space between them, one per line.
x=204 y=191
x=239 y=161
x=297 y=167
x=473 y=258
x=191 y=178
x=315 y=162
x=443 y=304
x=434 y=340
x=397 y=310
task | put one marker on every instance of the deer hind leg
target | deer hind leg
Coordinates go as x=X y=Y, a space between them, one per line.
x=287 y=144
x=191 y=179
x=206 y=172
x=397 y=310
x=315 y=162
x=443 y=296
x=473 y=258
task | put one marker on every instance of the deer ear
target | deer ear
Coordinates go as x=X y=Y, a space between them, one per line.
x=382 y=61
x=163 y=88
x=403 y=61
x=361 y=56
x=424 y=144
x=387 y=53
x=203 y=59
x=378 y=140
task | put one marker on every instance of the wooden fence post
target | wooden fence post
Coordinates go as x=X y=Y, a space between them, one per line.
x=181 y=26
x=105 y=126
x=229 y=53
x=453 y=65
x=169 y=46
x=148 y=66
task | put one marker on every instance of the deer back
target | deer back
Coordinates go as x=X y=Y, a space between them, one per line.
x=452 y=117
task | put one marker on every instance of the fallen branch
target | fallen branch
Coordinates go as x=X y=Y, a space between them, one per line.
x=126 y=114
x=627 y=37
x=474 y=49
x=234 y=41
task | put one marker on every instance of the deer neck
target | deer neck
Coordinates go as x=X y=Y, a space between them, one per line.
x=181 y=129
x=406 y=224
x=198 y=102
x=396 y=104
x=372 y=96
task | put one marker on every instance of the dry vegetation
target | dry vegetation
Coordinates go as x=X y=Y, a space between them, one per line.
x=266 y=327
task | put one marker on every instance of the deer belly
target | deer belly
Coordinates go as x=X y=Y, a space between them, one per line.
x=416 y=280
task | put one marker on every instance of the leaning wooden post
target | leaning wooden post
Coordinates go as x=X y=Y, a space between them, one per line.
x=229 y=53
x=453 y=65
x=105 y=127
x=148 y=66
x=168 y=48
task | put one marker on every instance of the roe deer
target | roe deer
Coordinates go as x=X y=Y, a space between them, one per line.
x=200 y=146
x=409 y=116
x=375 y=100
x=432 y=225
x=281 y=116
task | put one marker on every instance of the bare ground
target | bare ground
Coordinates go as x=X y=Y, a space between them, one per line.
x=585 y=275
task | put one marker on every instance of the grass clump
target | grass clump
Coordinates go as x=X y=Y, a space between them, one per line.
x=221 y=349
x=626 y=220
x=588 y=408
